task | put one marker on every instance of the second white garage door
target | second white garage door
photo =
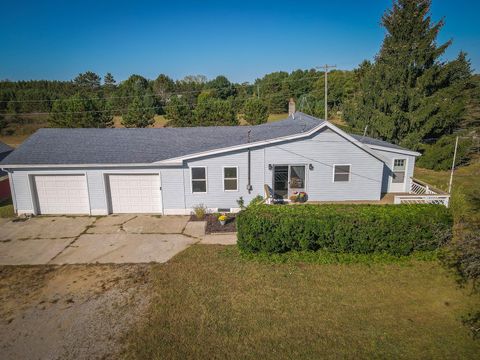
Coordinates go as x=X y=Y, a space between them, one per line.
x=135 y=193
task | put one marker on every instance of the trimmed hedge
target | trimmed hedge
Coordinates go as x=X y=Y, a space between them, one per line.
x=362 y=229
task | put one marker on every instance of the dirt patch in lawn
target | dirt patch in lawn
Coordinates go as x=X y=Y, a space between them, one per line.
x=71 y=311
x=214 y=226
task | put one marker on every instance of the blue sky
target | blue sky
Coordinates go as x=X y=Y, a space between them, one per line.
x=240 y=39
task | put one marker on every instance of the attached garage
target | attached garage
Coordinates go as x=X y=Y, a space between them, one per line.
x=135 y=193
x=61 y=194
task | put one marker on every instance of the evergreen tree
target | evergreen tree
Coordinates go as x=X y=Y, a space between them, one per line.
x=88 y=80
x=3 y=123
x=139 y=114
x=109 y=80
x=178 y=112
x=214 y=112
x=81 y=111
x=408 y=94
x=255 y=111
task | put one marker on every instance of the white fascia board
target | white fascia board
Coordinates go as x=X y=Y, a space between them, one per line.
x=394 y=150
x=242 y=146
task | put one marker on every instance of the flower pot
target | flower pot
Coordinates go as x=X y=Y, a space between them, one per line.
x=223 y=222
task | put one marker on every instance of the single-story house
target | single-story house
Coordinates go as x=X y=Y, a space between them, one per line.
x=171 y=170
x=4 y=182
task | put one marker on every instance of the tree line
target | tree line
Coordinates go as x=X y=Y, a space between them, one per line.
x=407 y=95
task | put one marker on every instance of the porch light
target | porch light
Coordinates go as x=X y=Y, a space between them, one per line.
x=310 y=166
x=270 y=167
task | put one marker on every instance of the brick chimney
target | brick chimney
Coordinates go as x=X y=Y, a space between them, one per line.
x=291 y=107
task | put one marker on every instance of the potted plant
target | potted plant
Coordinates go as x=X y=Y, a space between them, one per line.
x=302 y=197
x=223 y=219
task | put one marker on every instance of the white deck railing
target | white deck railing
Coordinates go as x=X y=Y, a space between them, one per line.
x=422 y=193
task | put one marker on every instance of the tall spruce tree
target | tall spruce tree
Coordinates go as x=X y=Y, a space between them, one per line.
x=408 y=94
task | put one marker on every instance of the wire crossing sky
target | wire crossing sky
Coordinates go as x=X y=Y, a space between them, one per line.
x=56 y=40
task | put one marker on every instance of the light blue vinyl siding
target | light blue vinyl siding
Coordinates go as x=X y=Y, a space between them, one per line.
x=322 y=150
x=387 y=174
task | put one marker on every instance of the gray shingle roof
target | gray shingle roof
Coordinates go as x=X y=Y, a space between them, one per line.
x=4 y=148
x=129 y=146
x=134 y=146
x=376 y=142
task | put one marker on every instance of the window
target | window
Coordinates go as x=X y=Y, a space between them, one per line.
x=341 y=173
x=199 y=179
x=399 y=170
x=230 y=178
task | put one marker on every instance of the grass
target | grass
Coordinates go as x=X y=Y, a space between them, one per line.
x=6 y=209
x=210 y=302
x=465 y=201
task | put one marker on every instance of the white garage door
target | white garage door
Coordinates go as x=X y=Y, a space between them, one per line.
x=135 y=193
x=62 y=194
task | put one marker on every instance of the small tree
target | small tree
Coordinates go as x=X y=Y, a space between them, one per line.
x=215 y=112
x=88 y=80
x=178 y=112
x=81 y=111
x=138 y=115
x=109 y=80
x=255 y=111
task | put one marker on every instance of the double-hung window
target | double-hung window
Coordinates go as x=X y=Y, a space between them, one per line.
x=341 y=173
x=199 y=179
x=399 y=170
x=230 y=178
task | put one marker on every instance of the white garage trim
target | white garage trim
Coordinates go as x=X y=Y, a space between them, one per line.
x=131 y=193
x=59 y=194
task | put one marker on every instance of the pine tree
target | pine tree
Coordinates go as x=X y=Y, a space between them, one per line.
x=408 y=94
x=139 y=114
x=81 y=111
x=255 y=111
x=178 y=112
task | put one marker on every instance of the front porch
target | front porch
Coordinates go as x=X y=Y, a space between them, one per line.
x=420 y=193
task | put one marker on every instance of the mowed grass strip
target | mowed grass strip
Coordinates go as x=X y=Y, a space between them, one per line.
x=209 y=302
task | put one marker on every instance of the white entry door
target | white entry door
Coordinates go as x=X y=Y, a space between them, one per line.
x=62 y=194
x=135 y=193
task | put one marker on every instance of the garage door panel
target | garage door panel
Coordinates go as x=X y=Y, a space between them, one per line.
x=62 y=194
x=135 y=193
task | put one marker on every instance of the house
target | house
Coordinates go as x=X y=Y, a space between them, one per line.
x=4 y=182
x=171 y=170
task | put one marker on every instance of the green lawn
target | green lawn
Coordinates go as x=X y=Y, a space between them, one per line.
x=465 y=201
x=209 y=302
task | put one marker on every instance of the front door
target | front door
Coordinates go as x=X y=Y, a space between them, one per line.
x=288 y=179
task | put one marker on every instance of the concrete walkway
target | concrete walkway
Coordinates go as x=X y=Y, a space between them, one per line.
x=108 y=239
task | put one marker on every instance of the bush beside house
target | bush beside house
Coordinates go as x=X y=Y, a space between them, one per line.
x=393 y=229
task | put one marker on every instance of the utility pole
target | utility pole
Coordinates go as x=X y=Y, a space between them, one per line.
x=326 y=68
x=453 y=167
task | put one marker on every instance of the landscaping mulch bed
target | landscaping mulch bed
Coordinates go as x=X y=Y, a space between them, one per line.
x=214 y=226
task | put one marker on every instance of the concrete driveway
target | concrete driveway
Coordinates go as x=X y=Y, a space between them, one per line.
x=109 y=239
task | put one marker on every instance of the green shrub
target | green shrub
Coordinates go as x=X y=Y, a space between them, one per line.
x=362 y=229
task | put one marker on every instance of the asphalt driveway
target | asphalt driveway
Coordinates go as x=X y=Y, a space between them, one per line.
x=108 y=239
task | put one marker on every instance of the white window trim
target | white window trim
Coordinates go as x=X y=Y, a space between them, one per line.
x=405 y=171
x=223 y=170
x=191 y=180
x=349 y=173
